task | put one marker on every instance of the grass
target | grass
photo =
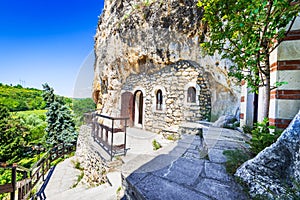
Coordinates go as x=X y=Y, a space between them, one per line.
x=156 y=145
x=235 y=158
x=77 y=165
x=79 y=178
x=171 y=137
x=119 y=190
x=28 y=112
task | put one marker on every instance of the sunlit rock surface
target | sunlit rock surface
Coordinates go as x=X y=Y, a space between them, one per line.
x=136 y=37
x=276 y=170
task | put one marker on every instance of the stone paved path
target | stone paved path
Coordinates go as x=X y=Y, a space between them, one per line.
x=183 y=174
x=65 y=175
x=177 y=171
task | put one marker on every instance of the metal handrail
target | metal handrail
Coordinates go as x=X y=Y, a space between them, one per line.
x=98 y=126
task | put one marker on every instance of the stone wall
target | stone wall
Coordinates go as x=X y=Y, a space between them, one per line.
x=90 y=159
x=135 y=37
x=174 y=82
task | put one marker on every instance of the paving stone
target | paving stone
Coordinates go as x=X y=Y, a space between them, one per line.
x=184 y=144
x=156 y=188
x=223 y=144
x=182 y=171
x=216 y=156
x=192 y=153
x=219 y=191
x=187 y=176
x=157 y=163
x=193 y=146
x=216 y=171
x=178 y=151
x=134 y=178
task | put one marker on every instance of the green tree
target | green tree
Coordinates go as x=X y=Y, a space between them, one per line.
x=36 y=126
x=81 y=106
x=17 y=98
x=247 y=32
x=12 y=137
x=61 y=125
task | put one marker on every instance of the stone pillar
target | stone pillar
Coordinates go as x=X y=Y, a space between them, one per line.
x=247 y=106
x=285 y=67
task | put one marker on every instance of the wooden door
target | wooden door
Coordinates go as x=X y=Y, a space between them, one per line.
x=127 y=108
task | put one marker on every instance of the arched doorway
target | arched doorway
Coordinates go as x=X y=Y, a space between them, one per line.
x=138 y=108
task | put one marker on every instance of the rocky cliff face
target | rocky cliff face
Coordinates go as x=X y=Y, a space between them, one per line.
x=275 y=172
x=136 y=37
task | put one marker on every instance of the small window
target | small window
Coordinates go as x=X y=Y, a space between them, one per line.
x=159 y=100
x=191 y=96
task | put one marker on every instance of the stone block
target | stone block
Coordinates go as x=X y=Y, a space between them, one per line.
x=219 y=190
x=216 y=171
x=180 y=171
x=153 y=187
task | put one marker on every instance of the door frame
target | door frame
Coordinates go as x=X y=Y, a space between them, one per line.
x=138 y=108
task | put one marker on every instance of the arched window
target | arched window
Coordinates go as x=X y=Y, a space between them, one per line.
x=159 y=100
x=191 y=96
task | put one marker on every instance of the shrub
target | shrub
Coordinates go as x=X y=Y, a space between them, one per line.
x=247 y=129
x=156 y=145
x=262 y=137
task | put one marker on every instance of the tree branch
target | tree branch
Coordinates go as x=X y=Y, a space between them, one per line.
x=286 y=33
x=294 y=3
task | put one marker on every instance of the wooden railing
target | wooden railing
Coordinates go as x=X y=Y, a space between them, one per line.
x=30 y=177
x=100 y=133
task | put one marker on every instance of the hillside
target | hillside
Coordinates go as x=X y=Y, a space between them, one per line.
x=17 y=98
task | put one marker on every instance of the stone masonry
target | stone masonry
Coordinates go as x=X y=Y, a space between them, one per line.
x=90 y=159
x=173 y=81
x=142 y=37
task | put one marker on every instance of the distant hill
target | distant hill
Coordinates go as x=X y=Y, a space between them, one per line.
x=17 y=98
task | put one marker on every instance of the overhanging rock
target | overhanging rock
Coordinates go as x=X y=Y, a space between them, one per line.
x=276 y=170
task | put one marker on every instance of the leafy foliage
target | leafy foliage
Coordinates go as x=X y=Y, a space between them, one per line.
x=19 y=133
x=81 y=106
x=156 y=145
x=262 y=137
x=247 y=32
x=61 y=125
x=36 y=123
x=17 y=98
x=13 y=135
x=247 y=129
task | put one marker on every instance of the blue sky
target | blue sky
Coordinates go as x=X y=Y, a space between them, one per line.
x=46 y=41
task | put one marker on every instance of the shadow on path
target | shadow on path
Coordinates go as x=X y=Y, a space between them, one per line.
x=183 y=173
